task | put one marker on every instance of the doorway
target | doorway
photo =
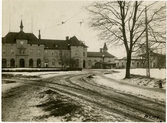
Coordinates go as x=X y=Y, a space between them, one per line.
x=22 y=63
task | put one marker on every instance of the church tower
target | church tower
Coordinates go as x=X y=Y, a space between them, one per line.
x=105 y=49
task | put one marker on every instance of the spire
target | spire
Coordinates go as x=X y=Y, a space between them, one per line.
x=39 y=36
x=105 y=47
x=21 y=26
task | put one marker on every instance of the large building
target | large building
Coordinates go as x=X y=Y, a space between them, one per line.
x=20 y=49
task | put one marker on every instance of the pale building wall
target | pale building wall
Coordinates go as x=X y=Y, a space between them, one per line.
x=135 y=63
x=6 y=52
x=35 y=52
x=77 y=53
x=91 y=61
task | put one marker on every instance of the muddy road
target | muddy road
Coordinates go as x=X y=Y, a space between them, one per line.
x=89 y=100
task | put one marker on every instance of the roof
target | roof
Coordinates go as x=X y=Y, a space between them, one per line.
x=152 y=54
x=75 y=42
x=12 y=36
x=55 y=44
x=105 y=47
x=99 y=54
x=50 y=44
x=133 y=58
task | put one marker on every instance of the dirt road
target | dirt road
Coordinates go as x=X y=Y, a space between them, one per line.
x=88 y=100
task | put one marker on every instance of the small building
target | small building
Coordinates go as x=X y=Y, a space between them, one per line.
x=136 y=62
x=156 y=61
x=101 y=59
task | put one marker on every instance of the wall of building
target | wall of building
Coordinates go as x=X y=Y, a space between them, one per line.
x=91 y=61
x=77 y=53
x=135 y=63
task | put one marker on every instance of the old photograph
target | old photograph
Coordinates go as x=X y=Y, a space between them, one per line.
x=83 y=61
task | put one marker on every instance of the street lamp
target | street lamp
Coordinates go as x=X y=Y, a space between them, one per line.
x=103 y=57
x=70 y=55
x=103 y=60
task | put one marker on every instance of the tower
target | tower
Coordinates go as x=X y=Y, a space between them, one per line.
x=105 y=49
x=21 y=26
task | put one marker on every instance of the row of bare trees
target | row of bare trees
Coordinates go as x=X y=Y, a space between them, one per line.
x=123 y=23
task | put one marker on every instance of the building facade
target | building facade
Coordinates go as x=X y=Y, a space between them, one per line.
x=156 y=61
x=25 y=50
x=101 y=59
x=20 y=49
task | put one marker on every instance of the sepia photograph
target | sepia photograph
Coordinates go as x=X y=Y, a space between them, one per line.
x=83 y=61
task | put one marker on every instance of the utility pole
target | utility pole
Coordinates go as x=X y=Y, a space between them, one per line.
x=147 y=47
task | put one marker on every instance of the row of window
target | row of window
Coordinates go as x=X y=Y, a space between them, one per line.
x=95 y=61
x=22 y=51
x=21 y=63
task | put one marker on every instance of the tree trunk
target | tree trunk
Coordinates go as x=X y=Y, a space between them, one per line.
x=127 y=74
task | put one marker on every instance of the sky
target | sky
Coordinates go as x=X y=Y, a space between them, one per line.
x=48 y=16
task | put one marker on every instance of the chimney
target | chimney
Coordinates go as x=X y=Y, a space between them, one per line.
x=67 y=38
x=101 y=50
x=39 y=36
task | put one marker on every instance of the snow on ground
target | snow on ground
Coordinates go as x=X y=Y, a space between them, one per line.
x=43 y=74
x=139 y=78
x=155 y=73
x=6 y=87
x=154 y=93
x=137 y=85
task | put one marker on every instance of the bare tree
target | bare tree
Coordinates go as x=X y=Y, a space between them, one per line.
x=64 y=58
x=123 y=23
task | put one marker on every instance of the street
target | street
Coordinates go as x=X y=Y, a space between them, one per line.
x=91 y=101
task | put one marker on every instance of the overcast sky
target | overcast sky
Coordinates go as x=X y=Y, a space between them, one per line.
x=48 y=15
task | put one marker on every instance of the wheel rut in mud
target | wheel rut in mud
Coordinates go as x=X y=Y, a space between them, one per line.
x=132 y=107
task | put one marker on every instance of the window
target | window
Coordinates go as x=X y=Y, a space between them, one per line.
x=76 y=52
x=83 y=53
x=12 y=51
x=38 y=62
x=38 y=44
x=52 y=53
x=4 y=51
x=53 y=63
x=109 y=60
x=31 y=51
x=56 y=45
x=46 y=52
x=38 y=51
x=12 y=63
x=56 y=54
x=20 y=51
x=23 y=51
x=90 y=63
x=31 y=63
